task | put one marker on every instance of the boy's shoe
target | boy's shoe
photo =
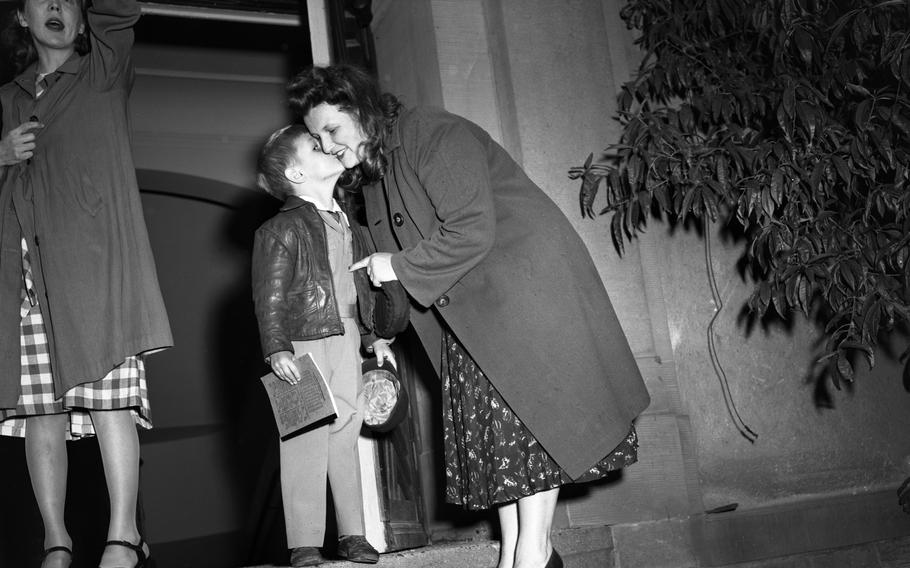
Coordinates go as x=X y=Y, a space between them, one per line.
x=305 y=556
x=355 y=548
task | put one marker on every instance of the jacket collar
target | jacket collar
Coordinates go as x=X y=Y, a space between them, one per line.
x=26 y=79
x=293 y=202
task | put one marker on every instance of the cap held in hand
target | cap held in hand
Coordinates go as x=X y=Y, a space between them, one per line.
x=386 y=399
x=392 y=310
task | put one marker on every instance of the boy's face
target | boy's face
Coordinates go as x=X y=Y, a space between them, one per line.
x=313 y=163
x=53 y=23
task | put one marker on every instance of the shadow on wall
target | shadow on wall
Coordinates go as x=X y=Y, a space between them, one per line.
x=213 y=422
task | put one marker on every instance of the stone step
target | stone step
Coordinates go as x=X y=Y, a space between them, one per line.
x=579 y=548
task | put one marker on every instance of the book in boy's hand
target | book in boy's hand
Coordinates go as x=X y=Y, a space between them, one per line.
x=305 y=405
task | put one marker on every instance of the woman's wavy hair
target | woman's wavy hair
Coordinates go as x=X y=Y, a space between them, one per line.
x=355 y=92
x=18 y=43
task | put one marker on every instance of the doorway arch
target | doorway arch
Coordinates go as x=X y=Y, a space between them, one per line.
x=212 y=422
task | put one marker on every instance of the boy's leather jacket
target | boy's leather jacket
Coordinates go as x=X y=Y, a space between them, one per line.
x=293 y=291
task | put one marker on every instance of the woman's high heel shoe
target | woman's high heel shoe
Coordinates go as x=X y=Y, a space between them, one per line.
x=555 y=560
x=142 y=559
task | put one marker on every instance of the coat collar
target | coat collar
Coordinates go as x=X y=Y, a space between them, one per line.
x=26 y=79
x=392 y=137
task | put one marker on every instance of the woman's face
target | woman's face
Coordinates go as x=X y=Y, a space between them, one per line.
x=338 y=133
x=314 y=162
x=54 y=24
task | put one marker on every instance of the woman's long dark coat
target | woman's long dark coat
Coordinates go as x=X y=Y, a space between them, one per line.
x=485 y=250
x=77 y=204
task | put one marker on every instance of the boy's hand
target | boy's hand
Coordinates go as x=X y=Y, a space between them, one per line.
x=383 y=350
x=19 y=143
x=379 y=268
x=284 y=367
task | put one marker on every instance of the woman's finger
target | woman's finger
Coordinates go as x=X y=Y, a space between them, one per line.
x=362 y=263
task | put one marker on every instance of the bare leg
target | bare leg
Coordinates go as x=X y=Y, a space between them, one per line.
x=535 y=519
x=119 y=444
x=45 y=454
x=508 y=529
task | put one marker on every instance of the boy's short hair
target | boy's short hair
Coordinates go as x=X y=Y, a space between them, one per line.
x=276 y=155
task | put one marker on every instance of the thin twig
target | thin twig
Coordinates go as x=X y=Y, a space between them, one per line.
x=743 y=428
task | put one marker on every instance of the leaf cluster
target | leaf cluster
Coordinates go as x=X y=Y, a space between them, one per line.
x=791 y=119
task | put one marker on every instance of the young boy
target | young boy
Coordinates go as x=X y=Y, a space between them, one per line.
x=306 y=300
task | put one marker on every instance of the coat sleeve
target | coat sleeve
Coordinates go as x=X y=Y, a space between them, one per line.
x=273 y=266
x=111 y=25
x=451 y=166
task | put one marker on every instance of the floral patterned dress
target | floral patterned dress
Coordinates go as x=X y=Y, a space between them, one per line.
x=491 y=457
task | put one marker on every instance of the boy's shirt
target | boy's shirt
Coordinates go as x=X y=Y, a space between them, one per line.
x=327 y=214
x=340 y=254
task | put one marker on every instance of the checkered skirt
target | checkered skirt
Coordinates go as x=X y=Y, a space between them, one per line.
x=124 y=387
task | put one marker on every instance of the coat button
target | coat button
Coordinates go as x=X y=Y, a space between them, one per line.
x=398 y=219
x=442 y=301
